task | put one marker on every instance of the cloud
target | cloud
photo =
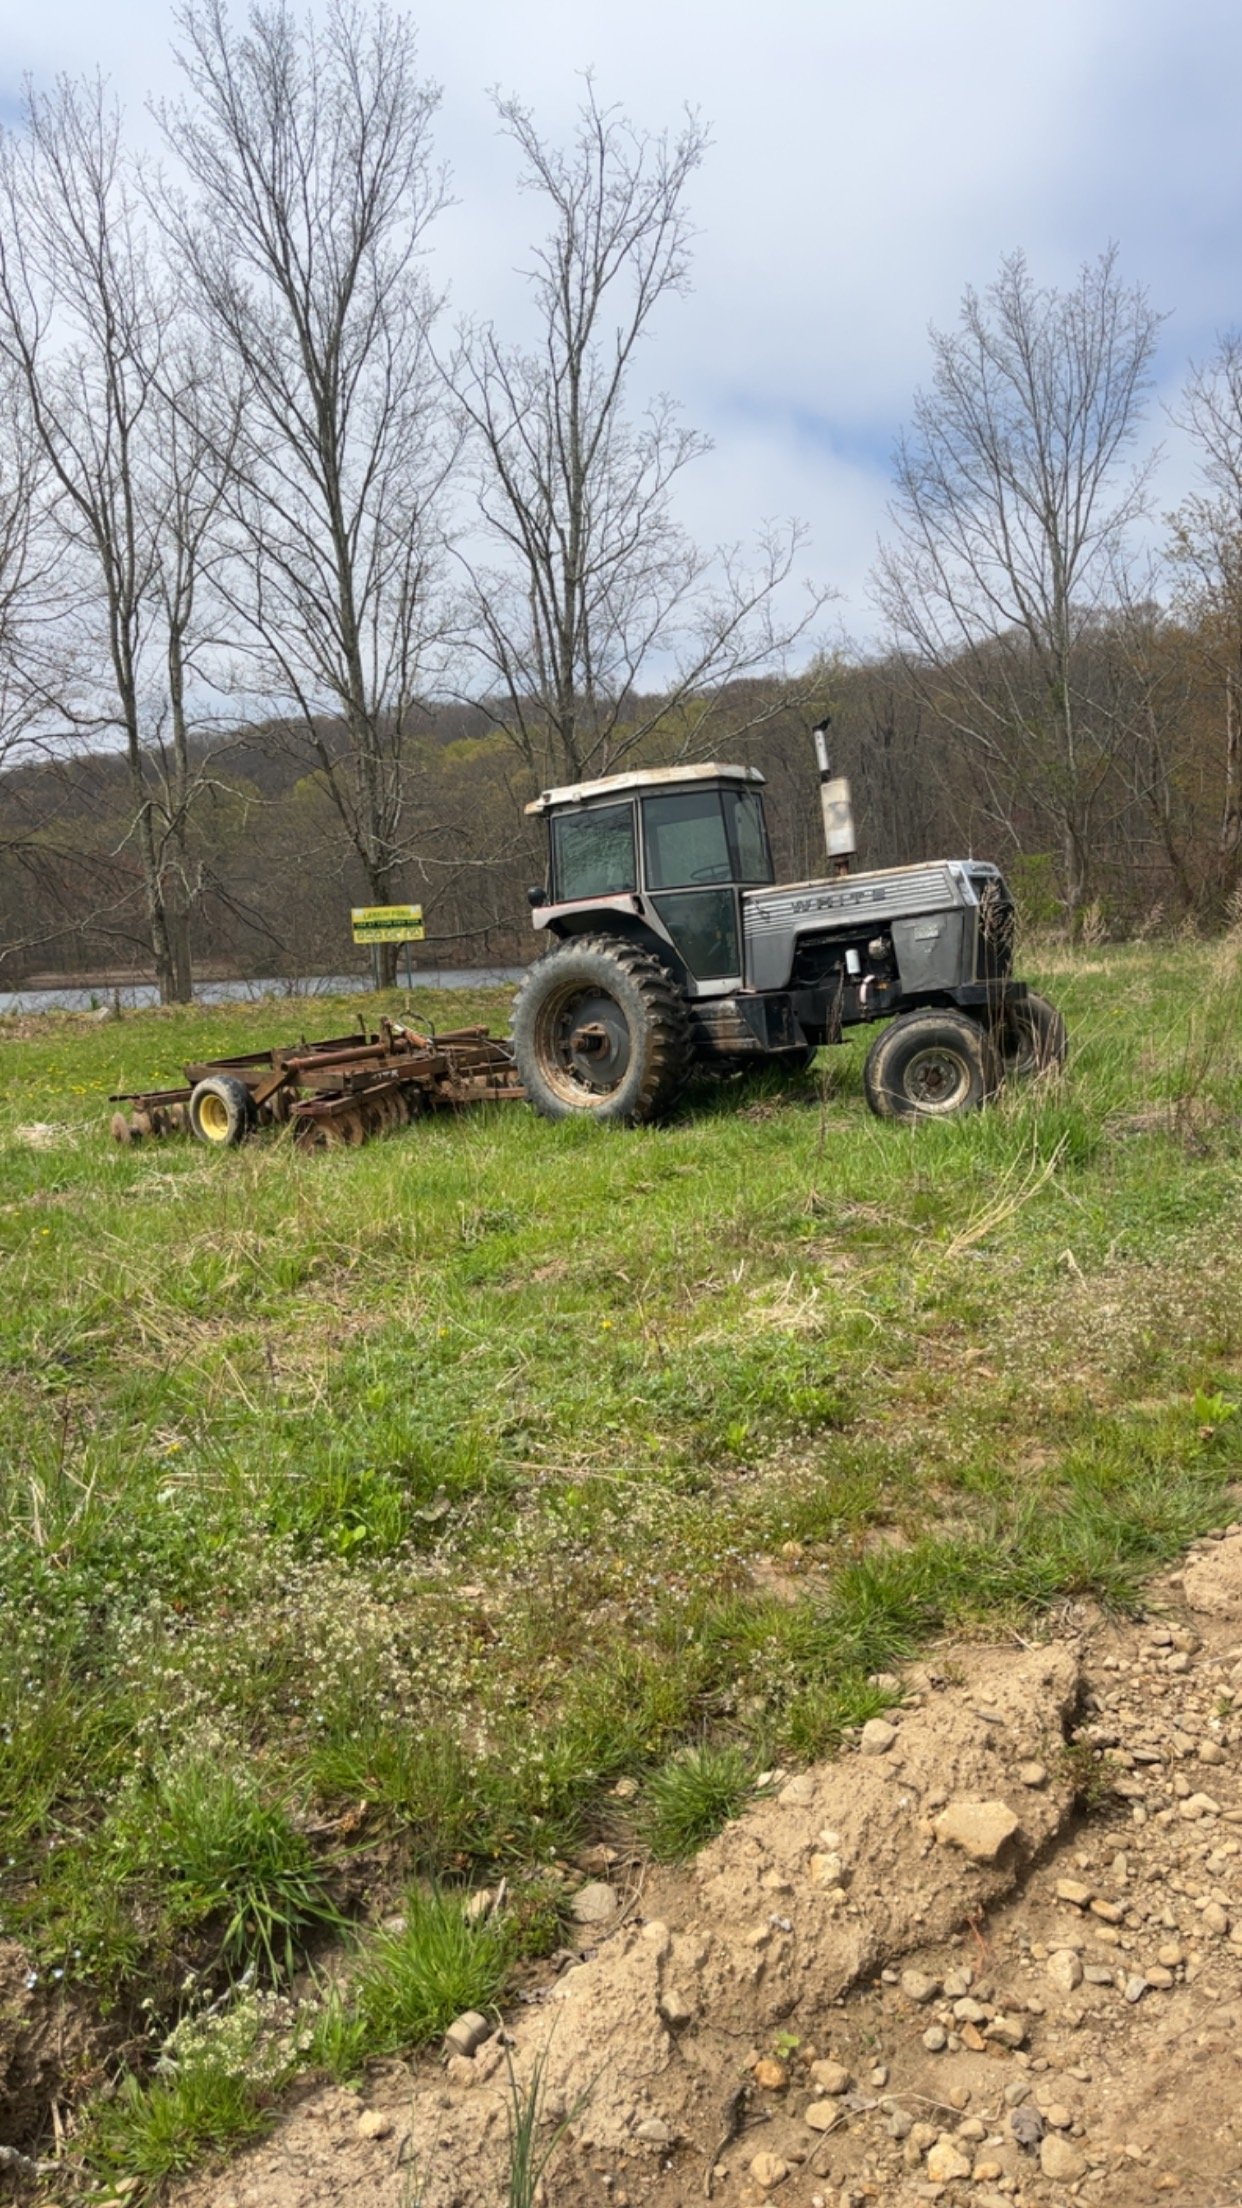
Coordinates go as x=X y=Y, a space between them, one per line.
x=865 y=167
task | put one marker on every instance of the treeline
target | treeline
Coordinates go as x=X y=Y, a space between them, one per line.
x=274 y=872
x=303 y=595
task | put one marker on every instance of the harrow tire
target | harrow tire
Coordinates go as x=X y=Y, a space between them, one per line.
x=1030 y=1039
x=600 y=1027
x=930 y=1065
x=221 y=1113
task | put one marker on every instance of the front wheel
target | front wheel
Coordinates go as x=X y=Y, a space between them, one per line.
x=1030 y=1038
x=600 y=1026
x=930 y=1065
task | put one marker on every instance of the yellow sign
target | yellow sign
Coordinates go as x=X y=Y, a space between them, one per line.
x=387 y=923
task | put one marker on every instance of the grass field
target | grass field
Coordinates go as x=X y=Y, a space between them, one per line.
x=368 y=1515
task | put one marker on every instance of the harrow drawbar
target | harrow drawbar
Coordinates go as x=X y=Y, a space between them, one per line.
x=328 y=1094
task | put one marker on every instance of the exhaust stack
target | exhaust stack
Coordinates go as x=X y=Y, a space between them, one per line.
x=834 y=798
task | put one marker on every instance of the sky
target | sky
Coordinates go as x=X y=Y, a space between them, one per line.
x=867 y=164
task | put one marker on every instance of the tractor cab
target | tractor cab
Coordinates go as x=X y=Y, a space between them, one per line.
x=671 y=848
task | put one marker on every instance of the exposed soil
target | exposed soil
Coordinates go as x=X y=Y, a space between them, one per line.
x=49 y=2053
x=994 y=1959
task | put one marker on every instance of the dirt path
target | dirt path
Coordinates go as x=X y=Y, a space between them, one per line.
x=921 y=1972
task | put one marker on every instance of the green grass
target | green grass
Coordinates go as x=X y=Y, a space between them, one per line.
x=690 y=1798
x=410 y=1982
x=366 y=1516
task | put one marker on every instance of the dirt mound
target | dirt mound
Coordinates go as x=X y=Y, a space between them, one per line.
x=915 y=1973
x=40 y=2044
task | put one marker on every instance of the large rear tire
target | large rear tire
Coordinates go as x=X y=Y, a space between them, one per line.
x=1030 y=1038
x=930 y=1065
x=600 y=1026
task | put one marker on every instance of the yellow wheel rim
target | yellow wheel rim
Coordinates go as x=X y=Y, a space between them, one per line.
x=213 y=1118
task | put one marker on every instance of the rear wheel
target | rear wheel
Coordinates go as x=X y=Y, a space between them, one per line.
x=930 y=1065
x=600 y=1026
x=221 y=1112
x=1030 y=1038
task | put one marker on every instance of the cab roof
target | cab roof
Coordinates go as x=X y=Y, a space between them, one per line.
x=640 y=778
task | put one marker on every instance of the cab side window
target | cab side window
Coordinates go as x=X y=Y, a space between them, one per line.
x=593 y=852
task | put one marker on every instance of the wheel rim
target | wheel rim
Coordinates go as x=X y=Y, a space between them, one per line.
x=213 y=1118
x=584 y=1044
x=937 y=1080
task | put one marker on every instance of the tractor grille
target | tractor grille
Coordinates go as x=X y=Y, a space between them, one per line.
x=857 y=900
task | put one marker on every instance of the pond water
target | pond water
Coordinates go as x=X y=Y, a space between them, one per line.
x=138 y=994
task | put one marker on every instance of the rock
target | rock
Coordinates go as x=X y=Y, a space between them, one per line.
x=1215 y=1919
x=768 y=2171
x=1060 y=2159
x=1006 y=2031
x=654 y=2132
x=1210 y=1751
x=1027 y=2126
x=468 y=2032
x=1057 y=2116
x=1158 y=1976
x=1212 y=1583
x=1073 y=1891
x=821 y=2115
x=935 y=2039
x=877 y=1737
x=1199 y=1805
x=675 y=2009
x=1134 y=1988
x=374 y=2123
x=968 y=2011
x=831 y=2077
x=798 y=1792
x=980 y=1829
x=594 y=1904
x=917 y=1986
x=946 y=2161
x=1064 y=1969
x=1033 y=1774
x=771 y=2076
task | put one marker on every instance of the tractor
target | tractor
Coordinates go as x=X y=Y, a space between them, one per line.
x=672 y=949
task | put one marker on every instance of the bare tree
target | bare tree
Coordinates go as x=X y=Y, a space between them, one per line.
x=309 y=148
x=1012 y=506
x=594 y=585
x=1207 y=558
x=85 y=316
x=30 y=599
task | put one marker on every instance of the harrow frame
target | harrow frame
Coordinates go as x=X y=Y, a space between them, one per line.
x=331 y=1093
